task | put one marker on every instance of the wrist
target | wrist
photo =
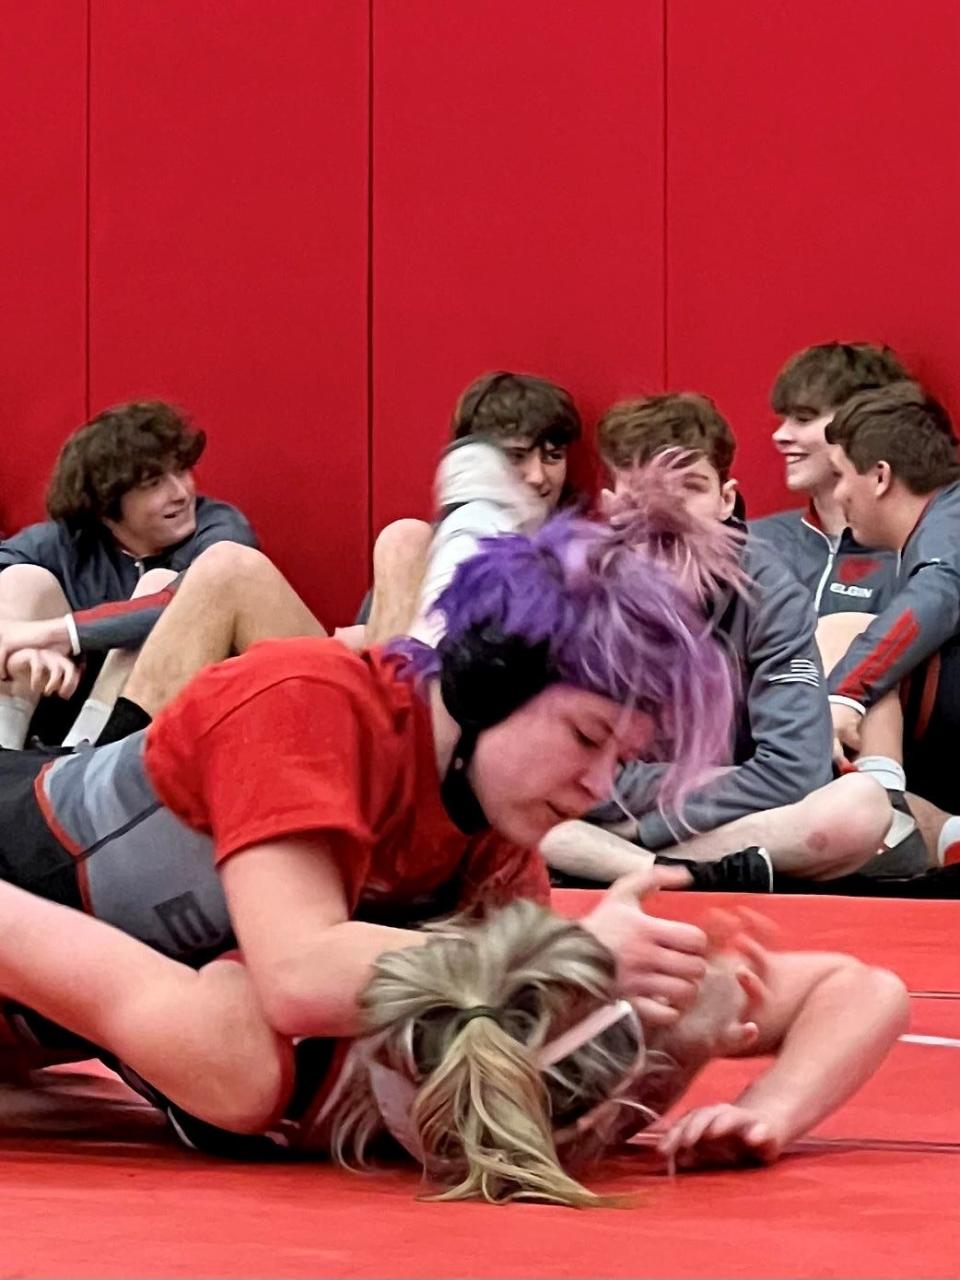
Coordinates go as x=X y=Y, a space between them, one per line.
x=65 y=635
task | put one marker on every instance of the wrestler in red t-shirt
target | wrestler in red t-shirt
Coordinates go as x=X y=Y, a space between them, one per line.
x=302 y=737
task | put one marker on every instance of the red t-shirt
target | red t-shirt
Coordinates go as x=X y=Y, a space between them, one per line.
x=302 y=736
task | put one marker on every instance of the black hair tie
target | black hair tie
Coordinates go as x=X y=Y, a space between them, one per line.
x=479 y=1011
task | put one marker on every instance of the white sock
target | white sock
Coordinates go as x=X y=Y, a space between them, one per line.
x=886 y=771
x=948 y=836
x=15 y=717
x=94 y=714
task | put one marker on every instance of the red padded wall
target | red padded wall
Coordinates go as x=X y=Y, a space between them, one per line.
x=517 y=212
x=43 y=72
x=813 y=193
x=228 y=256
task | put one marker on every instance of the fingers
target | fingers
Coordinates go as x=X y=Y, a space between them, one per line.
x=654 y=1013
x=741 y=1037
x=722 y=1134
x=752 y=987
x=638 y=885
x=48 y=673
x=676 y=935
x=678 y=992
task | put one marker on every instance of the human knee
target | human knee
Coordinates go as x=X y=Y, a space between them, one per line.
x=867 y=809
x=225 y=561
x=400 y=543
x=154 y=580
x=29 y=591
x=853 y=826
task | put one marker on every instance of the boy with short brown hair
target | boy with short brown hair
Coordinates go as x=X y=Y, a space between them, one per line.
x=842 y=575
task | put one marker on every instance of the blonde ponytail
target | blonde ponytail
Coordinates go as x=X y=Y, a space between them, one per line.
x=484 y=1111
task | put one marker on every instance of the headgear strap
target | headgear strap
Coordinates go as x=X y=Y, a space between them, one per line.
x=484 y=677
x=459 y=798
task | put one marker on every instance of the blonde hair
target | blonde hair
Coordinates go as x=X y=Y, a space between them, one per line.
x=484 y=1110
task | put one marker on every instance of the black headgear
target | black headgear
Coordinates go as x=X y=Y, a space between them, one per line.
x=484 y=677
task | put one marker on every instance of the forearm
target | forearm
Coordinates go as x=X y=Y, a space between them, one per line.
x=123 y=625
x=317 y=993
x=591 y=853
x=841 y=1033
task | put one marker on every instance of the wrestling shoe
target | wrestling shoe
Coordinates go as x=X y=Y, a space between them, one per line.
x=747 y=871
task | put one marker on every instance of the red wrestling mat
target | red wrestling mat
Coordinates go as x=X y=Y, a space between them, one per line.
x=870 y=1195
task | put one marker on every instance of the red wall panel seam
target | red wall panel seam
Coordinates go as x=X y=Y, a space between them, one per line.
x=88 y=412
x=370 y=288
x=666 y=206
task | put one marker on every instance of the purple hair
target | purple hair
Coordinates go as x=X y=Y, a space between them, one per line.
x=611 y=621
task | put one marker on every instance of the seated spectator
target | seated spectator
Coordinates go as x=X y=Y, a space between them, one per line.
x=125 y=520
x=534 y=422
x=896 y=690
x=840 y=573
x=781 y=748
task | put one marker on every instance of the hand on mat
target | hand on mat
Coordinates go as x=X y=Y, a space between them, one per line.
x=49 y=672
x=846 y=730
x=44 y=633
x=722 y=1135
x=660 y=962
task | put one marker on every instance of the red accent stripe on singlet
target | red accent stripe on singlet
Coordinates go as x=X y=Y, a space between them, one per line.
x=49 y=817
x=894 y=644
x=119 y=607
x=75 y=850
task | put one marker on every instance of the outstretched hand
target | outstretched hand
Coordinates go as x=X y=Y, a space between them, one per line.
x=660 y=962
x=722 y=1135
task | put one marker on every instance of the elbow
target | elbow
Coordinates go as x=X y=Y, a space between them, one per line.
x=879 y=992
x=887 y=994
x=294 y=1004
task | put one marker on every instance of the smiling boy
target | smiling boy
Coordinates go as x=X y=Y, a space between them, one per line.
x=842 y=574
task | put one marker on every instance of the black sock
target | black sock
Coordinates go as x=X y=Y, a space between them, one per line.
x=126 y=717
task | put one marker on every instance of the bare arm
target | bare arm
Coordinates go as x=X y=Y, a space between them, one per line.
x=830 y=1020
x=308 y=960
x=198 y=1037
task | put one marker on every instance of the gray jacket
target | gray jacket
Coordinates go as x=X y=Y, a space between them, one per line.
x=840 y=574
x=782 y=738
x=920 y=619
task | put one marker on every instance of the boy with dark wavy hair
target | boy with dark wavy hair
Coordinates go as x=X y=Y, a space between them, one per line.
x=125 y=520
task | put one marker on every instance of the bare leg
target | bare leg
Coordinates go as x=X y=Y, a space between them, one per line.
x=399 y=561
x=832 y=832
x=230 y=597
x=114 y=673
x=27 y=592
